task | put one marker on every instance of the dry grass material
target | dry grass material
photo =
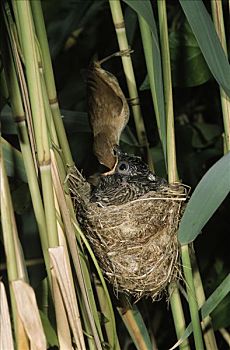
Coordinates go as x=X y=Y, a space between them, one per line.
x=135 y=243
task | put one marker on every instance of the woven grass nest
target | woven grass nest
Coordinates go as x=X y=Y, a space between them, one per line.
x=136 y=242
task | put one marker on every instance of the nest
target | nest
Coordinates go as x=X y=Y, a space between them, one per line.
x=136 y=242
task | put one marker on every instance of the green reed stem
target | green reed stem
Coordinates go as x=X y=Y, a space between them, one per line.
x=8 y=238
x=218 y=18
x=38 y=113
x=176 y=306
x=171 y=146
x=146 y=37
x=19 y=115
x=118 y=20
x=193 y=306
x=49 y=80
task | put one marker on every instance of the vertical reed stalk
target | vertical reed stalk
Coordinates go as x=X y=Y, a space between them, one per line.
x=49 y=80
x=176 y=306
x=217 y=14
x=171 y=147
x=192 y=298
x=206 y=323
x=18 y=113
x=38 y=113
x=147 y=46
x=8 y=239
x=118 y=20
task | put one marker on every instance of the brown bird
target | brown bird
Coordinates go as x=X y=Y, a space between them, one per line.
x=108 y=113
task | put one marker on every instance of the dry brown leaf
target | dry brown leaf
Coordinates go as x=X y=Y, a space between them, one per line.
x=61 y=269
x=29 y=314
x=6 y=338
x=64 y=336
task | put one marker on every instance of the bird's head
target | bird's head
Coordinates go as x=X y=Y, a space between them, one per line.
x=104 y=150
x=133 y=169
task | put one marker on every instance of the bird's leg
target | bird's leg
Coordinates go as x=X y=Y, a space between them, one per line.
x=121 y=53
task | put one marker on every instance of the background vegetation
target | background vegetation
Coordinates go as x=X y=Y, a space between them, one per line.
x=79 y=31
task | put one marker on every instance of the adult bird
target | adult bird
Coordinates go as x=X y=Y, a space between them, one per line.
x=130 y=180
x=108 y=113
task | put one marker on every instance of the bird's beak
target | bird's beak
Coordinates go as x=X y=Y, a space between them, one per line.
x=112 y=171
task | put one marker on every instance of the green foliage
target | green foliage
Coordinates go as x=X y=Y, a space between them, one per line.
x=81 y=30
x=207 y=197
x=184 y=48
x=208 y=41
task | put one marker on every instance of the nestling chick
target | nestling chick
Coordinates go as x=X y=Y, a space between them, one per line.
x=108 y=113
x=130 y=180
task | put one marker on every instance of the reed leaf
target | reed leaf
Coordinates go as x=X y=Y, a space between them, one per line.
x=29 y=314
x=209 y=306
x=206 y=198
x=208 y=40
x=61 y=270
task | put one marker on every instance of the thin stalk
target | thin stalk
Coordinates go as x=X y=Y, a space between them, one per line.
x=171 y=147
x=18 y=113
x=49 y=79
x=118 y=20
x=178 y=314
x=206 y=323
x=39 y=120
x=106 y=311
x=218 y=18
x=175 y=302
x=8 y=239
x=193 y=307
x=146 y=37
x=52 y=131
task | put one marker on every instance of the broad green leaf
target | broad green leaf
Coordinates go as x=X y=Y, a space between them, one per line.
x=152 y=49
x=13 y=161
x=208 y=41
x=206 y=198
x=220 y=316
x=188 y=64
x=209 y=306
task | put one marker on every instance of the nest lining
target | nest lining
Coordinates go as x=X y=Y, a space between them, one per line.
x=135 y=243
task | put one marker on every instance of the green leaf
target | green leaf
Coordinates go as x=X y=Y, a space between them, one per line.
x=153 y=61
x=209 y=306
x=220 y=316
x=188 y=64
x=208 y=195
x=208 y=41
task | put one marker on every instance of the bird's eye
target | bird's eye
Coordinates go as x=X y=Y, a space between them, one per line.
x=123 y=168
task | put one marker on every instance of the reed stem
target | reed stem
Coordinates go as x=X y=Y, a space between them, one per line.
x=19 y=115
x=171 y=146
x=218 y=18
x=193 y=306
x=8 y=239
x=118 y=20
x=148 y=52
x=38 y=114
x=175 y=301
x=49 y=80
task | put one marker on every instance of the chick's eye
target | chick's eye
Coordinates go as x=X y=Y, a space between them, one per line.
x=123 y=167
